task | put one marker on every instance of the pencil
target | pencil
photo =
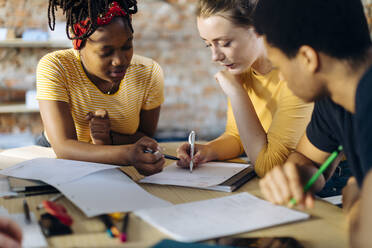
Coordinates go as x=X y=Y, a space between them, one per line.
x=322 y=168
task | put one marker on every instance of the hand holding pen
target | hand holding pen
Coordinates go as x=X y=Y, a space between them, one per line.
x=285 y=185
x=160 y=151
x=202 y=154
x=146 y=163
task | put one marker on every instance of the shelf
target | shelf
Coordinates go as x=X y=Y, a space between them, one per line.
x=16 y=108
x=35 y=44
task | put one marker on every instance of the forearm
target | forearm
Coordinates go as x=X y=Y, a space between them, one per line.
x=76 y=150
x=358 y=236
x=252 y=134
x=360 y=217
x=124 y=139
x=306 y=168
x=224 y=147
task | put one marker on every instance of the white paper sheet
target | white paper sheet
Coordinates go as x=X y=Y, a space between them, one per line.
x=29 y=152
x=94 y=188
x=31 y=233
x=54 y=171
x=109 y=191
x=335 y=200
x=5 y=188
x=7 y=161
x=203 y=220
x=205 y=175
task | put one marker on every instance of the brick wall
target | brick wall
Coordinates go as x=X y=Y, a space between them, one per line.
x=165 y=31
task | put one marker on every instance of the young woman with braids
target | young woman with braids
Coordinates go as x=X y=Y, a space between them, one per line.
x=264 y=118
x=98 y=101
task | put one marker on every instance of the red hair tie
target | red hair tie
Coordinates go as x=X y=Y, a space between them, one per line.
x=81 y=28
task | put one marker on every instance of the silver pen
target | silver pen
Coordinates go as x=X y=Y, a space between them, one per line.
x=192 y=148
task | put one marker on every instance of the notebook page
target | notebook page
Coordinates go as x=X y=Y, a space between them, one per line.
x=205 y=175
x=203 y=220
x=109 y=191
x=29 y=152
x=54 y=171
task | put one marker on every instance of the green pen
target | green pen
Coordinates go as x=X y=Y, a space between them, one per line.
x=315 y=177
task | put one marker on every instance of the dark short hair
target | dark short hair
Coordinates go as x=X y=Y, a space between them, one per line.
x=337 y=28
x=238 y=12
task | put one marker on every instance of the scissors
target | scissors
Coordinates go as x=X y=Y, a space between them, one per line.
x=192 y=148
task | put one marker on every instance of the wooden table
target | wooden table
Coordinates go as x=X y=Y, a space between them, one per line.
x=326 y=227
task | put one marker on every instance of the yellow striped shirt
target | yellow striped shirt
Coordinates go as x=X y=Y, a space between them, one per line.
x=61 y=77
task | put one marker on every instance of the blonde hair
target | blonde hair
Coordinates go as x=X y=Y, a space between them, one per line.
x=238 y=12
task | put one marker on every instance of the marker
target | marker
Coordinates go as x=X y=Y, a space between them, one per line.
x=26 y=210
x=124 y=235
x=52 y=199
x=322 y=168
x=110 y=228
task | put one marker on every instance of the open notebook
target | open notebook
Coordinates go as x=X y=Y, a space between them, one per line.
x=218 y=176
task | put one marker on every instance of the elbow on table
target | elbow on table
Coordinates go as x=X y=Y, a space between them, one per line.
x=267 y=160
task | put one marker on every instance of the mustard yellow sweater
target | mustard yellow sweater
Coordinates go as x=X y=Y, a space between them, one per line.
x=283 y=116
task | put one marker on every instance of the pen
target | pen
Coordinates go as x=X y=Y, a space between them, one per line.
x=26 y=209
x=322 y=168
x=192 y=146
x=31 y=194
x=170 y=157
x=148 y=150
x=124 y=235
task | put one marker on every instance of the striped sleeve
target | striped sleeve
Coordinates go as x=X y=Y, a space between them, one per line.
x=51 y=80
x=155 y=92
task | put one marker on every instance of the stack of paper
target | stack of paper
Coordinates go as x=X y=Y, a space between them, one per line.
x=203 y=220
x=14 y=156
x=94 y=188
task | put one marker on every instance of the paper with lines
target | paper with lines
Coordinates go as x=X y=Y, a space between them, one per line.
x=203 y=220
x=205 y=175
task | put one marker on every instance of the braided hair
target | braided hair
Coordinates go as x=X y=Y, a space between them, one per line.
x=79 y=10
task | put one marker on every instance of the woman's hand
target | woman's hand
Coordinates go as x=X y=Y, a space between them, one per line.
x=230 y=84
x=202 y=154
x=146 y=163
x=99 y=124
